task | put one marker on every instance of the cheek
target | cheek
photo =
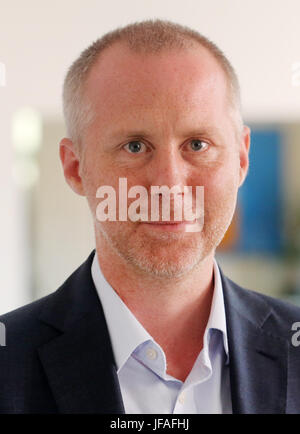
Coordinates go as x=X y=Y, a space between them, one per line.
x=221 y=186
x=102 y=175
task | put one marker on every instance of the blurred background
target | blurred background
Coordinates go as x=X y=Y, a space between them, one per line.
x=46 y=230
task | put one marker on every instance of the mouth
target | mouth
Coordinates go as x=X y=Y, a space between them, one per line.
x=169 y=225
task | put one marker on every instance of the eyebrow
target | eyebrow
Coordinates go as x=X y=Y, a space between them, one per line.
x=133 y=133
x=189 y=133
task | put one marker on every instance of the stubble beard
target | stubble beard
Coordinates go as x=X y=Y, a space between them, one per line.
x=165 y=255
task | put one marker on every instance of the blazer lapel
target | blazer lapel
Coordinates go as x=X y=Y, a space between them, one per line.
x=257 y=356
x=81 y=371
x=79 y=362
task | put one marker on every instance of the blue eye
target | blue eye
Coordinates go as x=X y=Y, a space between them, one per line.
x=198 y=145
x=135 y=147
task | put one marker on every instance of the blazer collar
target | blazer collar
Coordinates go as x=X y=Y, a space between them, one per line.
x=81 y=369
x=258 y=355
x=79 y=362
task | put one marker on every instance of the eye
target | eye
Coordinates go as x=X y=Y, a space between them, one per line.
x=135 y=147
x=198 y=145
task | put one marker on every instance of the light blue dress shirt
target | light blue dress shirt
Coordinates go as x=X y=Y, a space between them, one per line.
x=141 y=362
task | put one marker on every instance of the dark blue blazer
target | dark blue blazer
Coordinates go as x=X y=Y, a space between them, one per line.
x=58 y=356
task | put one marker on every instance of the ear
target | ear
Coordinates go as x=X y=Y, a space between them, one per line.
x=244 y=148
x=70 y=163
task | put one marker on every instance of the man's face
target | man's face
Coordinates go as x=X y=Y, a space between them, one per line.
x=174 y=107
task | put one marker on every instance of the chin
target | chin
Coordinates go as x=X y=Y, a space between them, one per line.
x=168 y=259
x=164 y=254
x=162 y=267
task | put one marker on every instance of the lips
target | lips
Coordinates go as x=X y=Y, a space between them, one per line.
x=169 y=223
x=171 y=226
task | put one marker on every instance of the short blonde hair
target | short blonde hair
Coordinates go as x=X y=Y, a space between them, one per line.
x=151 y=36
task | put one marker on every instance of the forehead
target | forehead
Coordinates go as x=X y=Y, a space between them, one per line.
x=172 y=82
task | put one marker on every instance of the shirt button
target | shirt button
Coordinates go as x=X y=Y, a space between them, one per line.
x=181 y=398
x=151 y=353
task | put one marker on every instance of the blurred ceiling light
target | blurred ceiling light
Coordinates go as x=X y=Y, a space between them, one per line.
x=26 y=131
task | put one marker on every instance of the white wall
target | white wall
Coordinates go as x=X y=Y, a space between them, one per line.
x=62 y=232
x=39 y=39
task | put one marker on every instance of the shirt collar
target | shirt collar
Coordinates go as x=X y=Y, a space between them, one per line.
x=127 y=333
x=217 y=317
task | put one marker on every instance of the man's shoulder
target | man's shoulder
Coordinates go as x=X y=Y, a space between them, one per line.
x=37 y=336
x=23 y=327
x=279 y=305
x=279 y=314
x=43 y=318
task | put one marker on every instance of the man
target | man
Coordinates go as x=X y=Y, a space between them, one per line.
x=149 y=323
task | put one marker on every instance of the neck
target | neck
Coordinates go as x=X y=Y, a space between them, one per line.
x=174 y=311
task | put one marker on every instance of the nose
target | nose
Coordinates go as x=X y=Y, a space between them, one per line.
x=167 y=168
